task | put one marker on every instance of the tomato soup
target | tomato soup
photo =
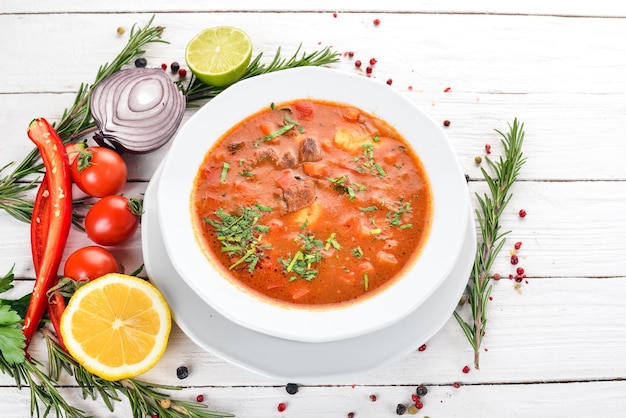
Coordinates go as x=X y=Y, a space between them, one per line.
x=312 y=203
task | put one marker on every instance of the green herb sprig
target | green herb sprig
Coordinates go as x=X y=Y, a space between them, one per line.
x=75 y=123
x=196 y=91
x=492 y=204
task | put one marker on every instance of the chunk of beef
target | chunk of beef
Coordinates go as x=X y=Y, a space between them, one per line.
x=300 y=195
x=310 y=150
x=287 y=160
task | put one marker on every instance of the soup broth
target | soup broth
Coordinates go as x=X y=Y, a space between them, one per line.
x=312 y=203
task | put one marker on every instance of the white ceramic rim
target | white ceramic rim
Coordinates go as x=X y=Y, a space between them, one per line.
x=195 y=138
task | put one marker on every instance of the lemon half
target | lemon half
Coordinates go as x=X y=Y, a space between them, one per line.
x=219 y=56
x=116 y=326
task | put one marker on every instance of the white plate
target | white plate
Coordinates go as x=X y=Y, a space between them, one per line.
x=428 y=140
x=289 y=360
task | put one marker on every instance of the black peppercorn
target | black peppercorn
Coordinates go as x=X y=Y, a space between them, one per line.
x=291 y=388
x=141 y=62
x=182 y=372
x=400 y=409
x=174 y=67
x=421 y=390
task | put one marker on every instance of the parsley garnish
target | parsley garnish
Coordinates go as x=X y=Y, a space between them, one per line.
x=12 y=340
x=309 y=254
x=288 y=124
x=241 y=235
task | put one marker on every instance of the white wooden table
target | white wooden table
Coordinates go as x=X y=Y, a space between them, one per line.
x=554 y=347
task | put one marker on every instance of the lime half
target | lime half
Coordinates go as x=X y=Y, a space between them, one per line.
x=220 y=55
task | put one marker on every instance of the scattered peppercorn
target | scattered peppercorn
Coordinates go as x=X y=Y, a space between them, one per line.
x=291 y=388
x=514 y=259
x=419 y=405
x=422 y=347
x=466 y=369
x=456 y=385
x=368 y=70
x=519 y=278
x=376 y=22
x=350 y=414
x=165 y=403
x=496 y=276
x=357 y=63
x=412 y=410
x=389 y=81
x=335 y=14
x=446 y=122
x=447 y=89
x=174 y=67
x=121 y=30
x=373 y=61
x=164 y=66
x=182 y=73
x=421 y=390
x=522 y=213
x=281 y=407
x=488 y=148
x=478 y=159
x=518 y=245
x=467 y=178
x=182 y=372
x=415 y=398
x=141 y=62
x=351 y=54
x=400 y=409
x=520 y=271
x=373 y=398
x=200 y=398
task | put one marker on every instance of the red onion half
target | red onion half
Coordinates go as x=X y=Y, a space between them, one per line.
x=137 y=110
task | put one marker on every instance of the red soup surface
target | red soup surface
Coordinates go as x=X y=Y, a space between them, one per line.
x=312 y=203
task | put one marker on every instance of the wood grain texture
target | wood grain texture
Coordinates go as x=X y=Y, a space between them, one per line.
x=556 y=345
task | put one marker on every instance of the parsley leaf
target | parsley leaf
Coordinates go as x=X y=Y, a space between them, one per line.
x=12 y=340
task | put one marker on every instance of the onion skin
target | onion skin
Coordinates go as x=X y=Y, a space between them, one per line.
x=137 y=110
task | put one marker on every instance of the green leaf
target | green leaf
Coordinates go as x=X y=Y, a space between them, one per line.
x=12 y=340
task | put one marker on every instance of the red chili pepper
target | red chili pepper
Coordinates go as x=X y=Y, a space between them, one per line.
x=39 y=228
x=57 y=206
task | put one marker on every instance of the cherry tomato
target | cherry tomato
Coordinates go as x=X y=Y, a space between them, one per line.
x=99 y=171
x=91 y=262
x=112 y=220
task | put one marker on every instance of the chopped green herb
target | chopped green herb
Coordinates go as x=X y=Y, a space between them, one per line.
x=332 y=242
x=369 y=209
x=288 y=124
x=302 y=262
x=241 y=235
x=225 y=168
x=394 y=218
x=357 y=252
x=366 y=281
x=369 y=166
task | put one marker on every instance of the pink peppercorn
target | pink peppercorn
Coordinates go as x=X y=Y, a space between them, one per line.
x=466 y=369
x=488 y=148
x=415 y=398
x=389 y=81
x=456 y=385
x=357 y=63
x=447 y=89
x=281 y=407
x=446 y=122
x=522 y=213
x=164 y=66
x=200 y=398
x=182 y=73
x=419 y=405
x=518 y=245
x=422 y=347
x=514 y=259
x=350 y=414
x=373 y=61
x=373 y=398
x=351 y=54
x=368 y=69
x=520 y=271
x=376 y=22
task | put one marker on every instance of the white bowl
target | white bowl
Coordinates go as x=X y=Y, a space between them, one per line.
x=396 y=301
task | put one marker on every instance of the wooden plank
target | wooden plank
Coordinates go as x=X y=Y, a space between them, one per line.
x=559 y=7
x=573 y=229
x=556 y=151
x=471 y=53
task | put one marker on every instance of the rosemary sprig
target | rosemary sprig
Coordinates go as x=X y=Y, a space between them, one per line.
x=146 y=399
x=75 y=122
x=492 y=205
x=197 y=90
